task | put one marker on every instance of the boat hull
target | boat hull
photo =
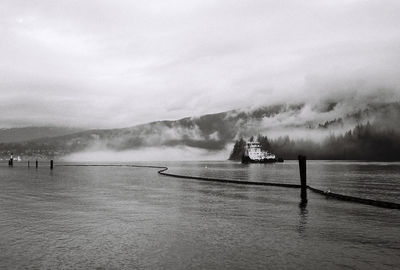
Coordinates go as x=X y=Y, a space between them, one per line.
x=246 y=159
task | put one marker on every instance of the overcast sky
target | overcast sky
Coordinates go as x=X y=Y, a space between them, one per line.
x=119 y=63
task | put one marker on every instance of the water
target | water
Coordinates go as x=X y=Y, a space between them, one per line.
x=133 y=218
x=372 y=180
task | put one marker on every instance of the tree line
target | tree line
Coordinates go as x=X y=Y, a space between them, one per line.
x=364 y=142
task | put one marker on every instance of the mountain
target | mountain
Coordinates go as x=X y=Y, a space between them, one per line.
x=217 y=132
x=11 y=135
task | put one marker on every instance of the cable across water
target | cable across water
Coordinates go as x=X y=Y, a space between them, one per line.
x=162 y=170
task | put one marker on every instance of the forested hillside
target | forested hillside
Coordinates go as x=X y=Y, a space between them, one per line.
x=364 y=142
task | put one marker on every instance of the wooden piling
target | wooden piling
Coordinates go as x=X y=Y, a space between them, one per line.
x=37 y=164
x=51 y=164
x=11 y=161
x=29 y=165
x=303 y=178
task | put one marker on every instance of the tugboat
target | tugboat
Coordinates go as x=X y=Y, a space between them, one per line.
x=254 y=154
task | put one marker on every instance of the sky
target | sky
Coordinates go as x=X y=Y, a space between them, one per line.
x=107 y=64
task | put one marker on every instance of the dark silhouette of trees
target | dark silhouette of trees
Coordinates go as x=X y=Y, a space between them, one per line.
x=364 y=142
x=264 y=142
x=238 y=150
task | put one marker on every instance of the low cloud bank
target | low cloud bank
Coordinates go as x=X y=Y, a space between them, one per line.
x=147 y=154
x=211 y=136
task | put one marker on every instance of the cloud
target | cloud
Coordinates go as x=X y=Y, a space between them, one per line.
x=114 y=64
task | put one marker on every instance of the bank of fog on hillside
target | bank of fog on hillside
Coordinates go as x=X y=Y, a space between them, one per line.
x=364 y=142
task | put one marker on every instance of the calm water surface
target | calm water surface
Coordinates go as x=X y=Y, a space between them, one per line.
x=133 y=218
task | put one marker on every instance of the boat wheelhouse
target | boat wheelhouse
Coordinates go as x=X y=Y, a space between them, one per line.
x=254 y=154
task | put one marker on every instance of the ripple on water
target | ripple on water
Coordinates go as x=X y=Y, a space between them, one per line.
x=83 y=217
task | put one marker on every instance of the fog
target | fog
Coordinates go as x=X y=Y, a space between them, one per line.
x=211 y=136
x=147 y=154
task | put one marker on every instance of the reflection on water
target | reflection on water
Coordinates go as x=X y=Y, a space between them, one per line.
x=133 y=218
x=302 y=217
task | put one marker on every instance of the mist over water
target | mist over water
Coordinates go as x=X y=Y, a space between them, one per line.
x=212 y=136
x=326 y=128
x=147 y=154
